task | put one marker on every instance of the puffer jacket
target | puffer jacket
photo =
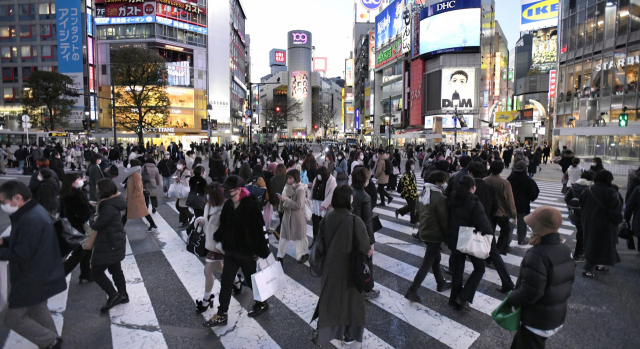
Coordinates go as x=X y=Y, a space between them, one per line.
x=379 y=171
x=241 y=230
x=433 y=217
x=110 y=243
x=217 y=169
x=544 y=284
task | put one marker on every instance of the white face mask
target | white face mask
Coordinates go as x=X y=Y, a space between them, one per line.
x=128 y=166
x=361 y=157
x=208 y=198
x=593 y=164
x=98 y=162
x=339 y=157
x=319 y=177
x=444 y=186
x=413 y=167
x=40 y=178
x=179 y=166
x=258 y=161
x=8 y=208
x=78 y=184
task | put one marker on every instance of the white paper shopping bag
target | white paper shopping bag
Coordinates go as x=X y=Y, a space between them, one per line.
x=4 y=294
x=267 y=282
x=474 y=243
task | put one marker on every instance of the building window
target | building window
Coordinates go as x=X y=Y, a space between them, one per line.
x=27 y=32
x=8 y=53
x=48 y=53
x=45 y=30
x=26 y=12
x=7 y=33
x=47 y=11
x=26 y=72
x=634 y=12
x=29 y=53
x=6 y=12
x=9 y=94
x=9 y=74
x=48 y=68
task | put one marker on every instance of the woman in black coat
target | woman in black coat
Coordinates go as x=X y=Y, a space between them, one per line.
x=110 y=244
x=197 y=184
x=601 y=213
x=75 y=207
x=47 y=192
x=632 y=209
x=465 y=210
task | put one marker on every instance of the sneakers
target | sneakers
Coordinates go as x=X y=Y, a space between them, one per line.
x=372 y=294
x=348 y=340
x=152 y=229
x=258 y=308
x=412 y=296
x=216 y=320
x=203 y=304
x=304 y=259
x=153 y=210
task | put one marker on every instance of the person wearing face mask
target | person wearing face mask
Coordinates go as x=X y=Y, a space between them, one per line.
x=151 y=187
x=298 y=159
x=381 y=171
x=322 y=190
x=55 y=164
x=465 y=210
x=245 y=168
x=408 y=190
x=596 y=165
x=433 y=212
x=358 y=160
x=241 y=233
x=35 y=266
x=198 y=185
x=182 y=175
x=136 y=206
x=167 y=168
x=189 y=160
x=41 y=164
x=329 y=163
x=75 y=207
x=294 y=224
x=95 y=174
x=47 y=192
x=342 y=176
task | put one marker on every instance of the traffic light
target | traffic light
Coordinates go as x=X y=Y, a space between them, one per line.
x=315 y=127
x=277 y=109
x=138 y=129
x=623 y=120
x=243 y=131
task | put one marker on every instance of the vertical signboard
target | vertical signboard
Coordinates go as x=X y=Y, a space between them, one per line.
x=90 y=50
x=372 y=49
x=92 y=87
x=348 y=72
x=69 y=27
x=497 y=75
x=552 y=83
x=406 y=31
x=389 y=23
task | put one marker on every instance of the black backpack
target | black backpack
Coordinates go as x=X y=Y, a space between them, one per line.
x=388 y=168
x=574 y=207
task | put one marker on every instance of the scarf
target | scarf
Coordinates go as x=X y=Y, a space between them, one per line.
x=101 y=200
x=425 y=198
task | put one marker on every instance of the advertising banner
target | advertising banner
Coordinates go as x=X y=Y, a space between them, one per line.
x=454 y=28
x=125 y=20
x=178 y=73
x=389 y=54
x=70 y=33
x=299 y=84
x=461 y=81
x=406 y=30
x=447 y=121
x=552 y=83
x=525 y=115
x=366 y=10
x=506 y=116
x=319 y=63
x=372 y=49
x=536 y=14
x=277 y=57
x=544 y=52
x=126 y=9
x=348 y=72
x=389 y=23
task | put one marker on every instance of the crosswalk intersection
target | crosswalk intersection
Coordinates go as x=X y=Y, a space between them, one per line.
x=150 y=320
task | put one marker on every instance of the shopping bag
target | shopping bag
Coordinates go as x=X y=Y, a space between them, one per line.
x=196 y=241
x=505 y=318
x=178 y=191
x=473 y=243
x=264 y=263
x=267 y=282
x=3 y=285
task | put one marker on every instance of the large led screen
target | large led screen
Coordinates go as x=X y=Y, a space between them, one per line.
x=450 y=31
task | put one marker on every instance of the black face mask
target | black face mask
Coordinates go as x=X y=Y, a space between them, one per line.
x=227 y=194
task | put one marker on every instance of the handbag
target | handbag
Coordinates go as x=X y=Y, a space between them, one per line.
x=473 y=243
x=88 y=243
x=178 y=191
x=624 y=232
x=396 y=171
x=359 y=266
x=266 y=282
x=195 y=201
x=196 y=240
x=377 y=225
x=146 y=178
x=68 y=237
x=505 y=318
x=307 y=208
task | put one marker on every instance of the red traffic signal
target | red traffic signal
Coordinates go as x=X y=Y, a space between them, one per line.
x=315 y=127
x=277 y=109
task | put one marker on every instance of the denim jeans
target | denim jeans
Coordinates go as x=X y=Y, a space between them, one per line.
x=20 y=165
x=166 y=182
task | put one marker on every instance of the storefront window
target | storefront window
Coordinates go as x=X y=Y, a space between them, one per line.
x=599 y=22
x=569 y=84
x=577 y=80
x=623 y=17
x=596 y=81
x=618 y=73
x=574 y=32
x=634 y=14
x=610 y=25
x=606 y=77
x=580 y=30
x=632 y=75
x=560 y=87
x=589 y=25
x=586 y=79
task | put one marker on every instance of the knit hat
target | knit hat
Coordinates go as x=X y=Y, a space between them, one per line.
x=520 y=166
x=544 y=220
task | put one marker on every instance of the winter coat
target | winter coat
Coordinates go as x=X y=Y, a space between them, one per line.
x=379 y=171
x=211 y=224
x=633 y=182
x=110 y=244
x=576 y=191
x=33 y=252
x=574 y=173
x=340 y=303
x=217 y=169
x=342 y=166
x=544 y=284
x=114 y=154
x=166 y=167
x=184 y=176
x=34 y=182
x=409 y=186
x=434 y=217
x=504 y=196
x=362 y=207
x=566 y=161
x=601 y=212
x=156 y=179
x=245 y=171
x=453 y=181
x=241 y=230
x=136 y=207
x=466 y=214
x=47 y=195
x=95 y=174
x=57 y=166
x=487 y=196
x=189 y=161
x=76 y=208
x=294 y=222
x=328 y=191
x=275 y=187
x=197 y=184
x=632 y=208
x=373 y=193
x=525 y=191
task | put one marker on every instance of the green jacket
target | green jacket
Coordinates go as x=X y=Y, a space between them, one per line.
x=245 y=171
x=433 y=218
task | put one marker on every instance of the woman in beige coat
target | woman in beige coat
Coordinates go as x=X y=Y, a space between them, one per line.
x=151 y=187
x=294 y=223
x=182 y=175
x=136 y=208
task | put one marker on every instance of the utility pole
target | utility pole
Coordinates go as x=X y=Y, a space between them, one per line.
x=113 y=111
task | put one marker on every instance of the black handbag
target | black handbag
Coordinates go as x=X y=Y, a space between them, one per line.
x=360 y=266
x=195 y=201
x=624 y=231
x=377 y=225
x=69 y=238
x=196 y=241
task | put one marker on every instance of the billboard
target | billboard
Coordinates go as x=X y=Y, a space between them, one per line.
x=277 y=57
x=299 y=84
x=536 y=14
x=319 y=63
x=455 y=27
x=506 y=116
x=389 y=23
x=544 y=52
x=126 y=9
x=552 y=83
x=69 y=30
x=372 y=49
x=406 y=31
x=366 y=10
x=461 y=81
x=348 y=72
x=447 y=121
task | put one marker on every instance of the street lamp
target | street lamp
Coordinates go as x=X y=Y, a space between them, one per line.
x=455 y=99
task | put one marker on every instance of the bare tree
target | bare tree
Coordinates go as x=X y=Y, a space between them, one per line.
x=141 y=97
x=278 y=116
x=45 y=99
x=324 y=115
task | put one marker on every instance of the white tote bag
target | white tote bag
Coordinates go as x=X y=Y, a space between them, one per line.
x=473 y=243
x=178 y=191
x=267 y=282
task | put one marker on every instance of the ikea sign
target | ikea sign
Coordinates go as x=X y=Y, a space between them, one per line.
x=536 y=14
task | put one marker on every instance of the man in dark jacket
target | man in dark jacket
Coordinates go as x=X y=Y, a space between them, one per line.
x=217 y=169
x=525 y=191
x=167 y=168
x=42 y=163
x=56 y=165
x=545 y=282
x=20 y=155
x=572 y=198
x=244 y=240
x=506 y=205
x=566 y=160
x=453 y=181
x=35 y=268
x=546 y=151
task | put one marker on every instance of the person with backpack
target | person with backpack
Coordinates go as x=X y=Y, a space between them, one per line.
x=572 y=198
x=525 y=191
x=383 y=169
x=322 y=189
x=293 y=200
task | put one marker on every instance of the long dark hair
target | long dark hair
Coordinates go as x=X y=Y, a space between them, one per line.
x=216 y=194
x=462 y=194
x=67 y=183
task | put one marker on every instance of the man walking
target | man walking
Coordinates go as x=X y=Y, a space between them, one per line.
x=382 y=175
x=35 y=266
x=506 y=205
x=525 y=191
